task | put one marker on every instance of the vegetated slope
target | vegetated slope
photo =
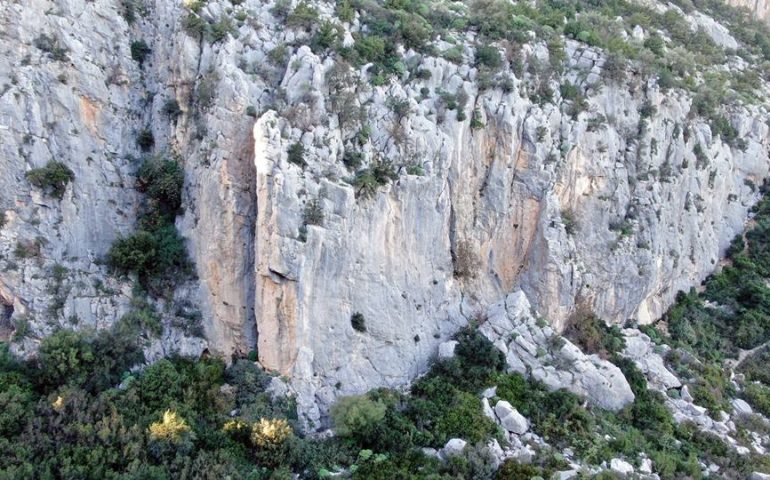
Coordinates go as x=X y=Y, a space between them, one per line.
x=197 y=419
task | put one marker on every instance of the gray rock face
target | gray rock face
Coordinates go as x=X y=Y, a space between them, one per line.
x=533 y=348
x=533 y=202
x=760 y=8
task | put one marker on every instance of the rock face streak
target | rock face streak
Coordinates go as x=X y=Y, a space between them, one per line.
x=592 y=212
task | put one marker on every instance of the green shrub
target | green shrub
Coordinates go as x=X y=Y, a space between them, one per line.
x=754 y=366
x=304 y=16
x=476 y=120
x=570 y=221
x=655 y=44
x=345 y=11
x=140 y=51
x=758 y=396
x=161 y=180
x=441 y=410
x=145 y=139
x=358 y=322
x=356 y=416
x=296 y=154
x=171 y=109
x=220 y=29
x=370 y=48
x=352 y=159
x=592 y=335
x=144 y=320
x=52 y=47
x=21 y=328
x=135 y=253
x=313 y=214
x=489 y=57
x=149 y=254
x=649 y=412
x=53 y=177
x=367 y=181
x=513 y=470
x=65 y=356
x=194 y=25
x=27 y=249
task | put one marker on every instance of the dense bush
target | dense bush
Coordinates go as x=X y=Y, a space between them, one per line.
x=176 y=415
x=368 y=180
x=313 y=213
x=356 y=416
x=304 y=16
x=145 y=139
x=172 y=109
x=358 y=322
x=489 y=57
x=161 y=180
x=52 y=46
x=296 y=154
x=140 y=51
x=754 y=366
x=149 y=254
x=592 y=335
x=136 y=253
x=758 y=395
x=53 y=177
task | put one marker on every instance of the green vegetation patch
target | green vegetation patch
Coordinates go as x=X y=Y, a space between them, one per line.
x=53 y=178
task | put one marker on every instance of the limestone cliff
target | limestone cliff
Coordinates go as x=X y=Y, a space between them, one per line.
x=759 y=8
x=611 y=207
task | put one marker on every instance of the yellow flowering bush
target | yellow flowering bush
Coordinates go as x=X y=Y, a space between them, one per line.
x=172 y=427
x=58 y=404
x=268 y=433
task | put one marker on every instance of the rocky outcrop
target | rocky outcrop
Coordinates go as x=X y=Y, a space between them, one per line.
x=648 y=357
x=533 y=348
x=759 y=8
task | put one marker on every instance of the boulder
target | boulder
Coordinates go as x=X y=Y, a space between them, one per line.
x=565 y=475
x=621 y=466
x=510 y=418
x=741 y=407
x=446 y=350
x=453 y=447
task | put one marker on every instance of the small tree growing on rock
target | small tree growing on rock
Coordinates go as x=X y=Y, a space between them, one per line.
x=54 y=177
